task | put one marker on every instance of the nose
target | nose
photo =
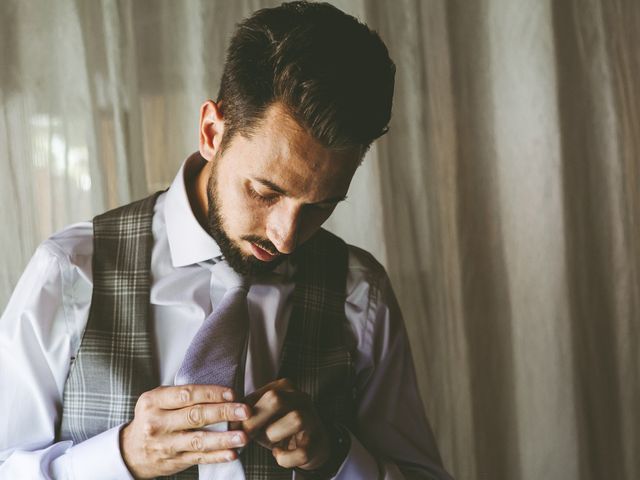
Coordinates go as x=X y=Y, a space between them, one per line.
x=282 y=228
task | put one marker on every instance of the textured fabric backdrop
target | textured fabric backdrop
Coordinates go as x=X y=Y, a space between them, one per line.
x=505 y=201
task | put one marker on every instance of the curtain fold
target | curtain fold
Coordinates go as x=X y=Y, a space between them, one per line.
x=504 y=202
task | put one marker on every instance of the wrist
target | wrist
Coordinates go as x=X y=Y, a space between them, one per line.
x=340 y=444
x=124 y=443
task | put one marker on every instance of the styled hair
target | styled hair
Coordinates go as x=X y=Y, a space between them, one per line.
x=331 y=72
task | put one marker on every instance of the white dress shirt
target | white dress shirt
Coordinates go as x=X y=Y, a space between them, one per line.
x=42 y=327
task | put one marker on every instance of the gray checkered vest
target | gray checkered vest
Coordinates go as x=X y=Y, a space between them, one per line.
x=115 y=363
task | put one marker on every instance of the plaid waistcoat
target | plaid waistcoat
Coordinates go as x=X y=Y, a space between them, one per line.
x=115 y=364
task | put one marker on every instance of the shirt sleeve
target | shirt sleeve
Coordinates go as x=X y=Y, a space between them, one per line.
x=39 y=333
x=392 y=438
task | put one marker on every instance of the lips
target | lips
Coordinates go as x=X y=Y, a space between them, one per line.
x=261 y=254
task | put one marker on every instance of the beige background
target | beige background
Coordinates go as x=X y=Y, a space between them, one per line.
x=505 y=202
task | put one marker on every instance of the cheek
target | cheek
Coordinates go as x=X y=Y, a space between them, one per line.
x=243 y=216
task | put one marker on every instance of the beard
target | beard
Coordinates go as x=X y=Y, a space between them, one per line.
x=246 y=265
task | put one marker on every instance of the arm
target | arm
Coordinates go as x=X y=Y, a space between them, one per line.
x=394 y=439
x=39 y=332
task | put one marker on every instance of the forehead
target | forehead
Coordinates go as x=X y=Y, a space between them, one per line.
x=282 y=151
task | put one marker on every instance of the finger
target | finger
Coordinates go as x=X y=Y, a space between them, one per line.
x=203 y=441
x=199 y=415
x=180 y=396
x=271 y=406
x=283 y=384
x=217 y=456
x=291 y=458
x=287 y=426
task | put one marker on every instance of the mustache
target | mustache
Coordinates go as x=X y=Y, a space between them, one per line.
x=264 y=244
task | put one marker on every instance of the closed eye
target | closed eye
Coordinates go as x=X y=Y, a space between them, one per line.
x=276 y=192
x=267 y=199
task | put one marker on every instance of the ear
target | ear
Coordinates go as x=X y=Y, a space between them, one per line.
x=211 y=129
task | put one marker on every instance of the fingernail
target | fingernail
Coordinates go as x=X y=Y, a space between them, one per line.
x=240 y=413
x=236 y=440
x=227 y=395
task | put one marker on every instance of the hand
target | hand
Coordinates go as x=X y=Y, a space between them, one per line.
x=163 y=437
x=285 y=421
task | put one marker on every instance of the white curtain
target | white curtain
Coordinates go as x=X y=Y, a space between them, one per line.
x=505 y=201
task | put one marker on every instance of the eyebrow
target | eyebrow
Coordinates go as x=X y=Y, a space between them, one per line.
x=282 y=191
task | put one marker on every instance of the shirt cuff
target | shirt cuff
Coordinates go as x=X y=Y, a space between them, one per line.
x=358 y=464
x=99 y=457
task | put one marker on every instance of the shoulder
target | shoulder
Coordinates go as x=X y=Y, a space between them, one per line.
x=55 y=283
x=364 y=261
x=74 y=243
x=368 y=289
x=72 y=249
x=364 y=268
x=71 y=242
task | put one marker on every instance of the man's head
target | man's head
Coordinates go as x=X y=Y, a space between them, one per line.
x=305 y=90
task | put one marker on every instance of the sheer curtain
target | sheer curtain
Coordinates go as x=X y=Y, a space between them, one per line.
x=505 y=201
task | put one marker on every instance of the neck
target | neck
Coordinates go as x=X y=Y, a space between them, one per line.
x=196 y=184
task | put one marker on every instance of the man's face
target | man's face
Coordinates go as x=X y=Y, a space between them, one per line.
x=272 y=192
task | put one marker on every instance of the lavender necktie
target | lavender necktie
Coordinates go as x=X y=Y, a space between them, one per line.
x=217 y=353
x=218 y=350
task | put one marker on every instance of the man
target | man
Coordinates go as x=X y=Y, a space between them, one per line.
x=131 y=355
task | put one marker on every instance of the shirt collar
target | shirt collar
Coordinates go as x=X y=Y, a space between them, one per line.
x=189 y=243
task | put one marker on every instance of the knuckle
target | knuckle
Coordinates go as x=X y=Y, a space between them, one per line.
x=197 y=443
x=227 y=441
x=173 y=451
x=272 y=399
x=286 y=382
x=185 y=394
x=211 y=395
x=296 y=419
x=149 y=428
x=149 y=451
x=145 y=401
x=249 y=429
x=169 y=452
x=229 y=412
x=194 y=415
x=221 y=456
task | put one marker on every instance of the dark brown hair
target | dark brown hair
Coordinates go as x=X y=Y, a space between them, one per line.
x=331 y=72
